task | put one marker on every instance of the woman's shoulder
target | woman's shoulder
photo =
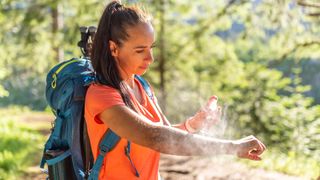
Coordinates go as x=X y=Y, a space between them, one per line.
x=101 y=90
x=100 y=87
x=101 y=97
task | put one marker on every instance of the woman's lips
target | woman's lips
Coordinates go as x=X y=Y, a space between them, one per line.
x=144 y=67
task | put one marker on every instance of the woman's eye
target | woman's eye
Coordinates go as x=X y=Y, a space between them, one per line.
x=139 y=51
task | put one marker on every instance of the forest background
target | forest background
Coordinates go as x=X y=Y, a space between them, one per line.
x=260 y=57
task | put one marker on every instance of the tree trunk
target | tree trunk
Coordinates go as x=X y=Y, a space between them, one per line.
x=57 y=25
x=161 y=57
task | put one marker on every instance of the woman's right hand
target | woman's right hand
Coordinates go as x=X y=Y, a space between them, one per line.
x=207 y=116
x=249 y=148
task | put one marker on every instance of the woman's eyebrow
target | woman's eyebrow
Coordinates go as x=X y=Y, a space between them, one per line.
x=141 y=47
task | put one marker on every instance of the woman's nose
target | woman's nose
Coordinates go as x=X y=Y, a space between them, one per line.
x=149 y=56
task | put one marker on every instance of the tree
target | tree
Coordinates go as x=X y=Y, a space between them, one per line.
x=247 y=52
x=34 y=40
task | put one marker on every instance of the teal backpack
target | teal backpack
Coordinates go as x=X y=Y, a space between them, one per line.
x=67 y=151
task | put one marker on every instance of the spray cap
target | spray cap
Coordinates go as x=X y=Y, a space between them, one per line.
x=212 y=104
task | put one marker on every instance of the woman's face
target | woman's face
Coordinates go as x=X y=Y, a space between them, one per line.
x=135 y=54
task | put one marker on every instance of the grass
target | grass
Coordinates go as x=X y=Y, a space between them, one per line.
x=289 y=163
x=19 y=142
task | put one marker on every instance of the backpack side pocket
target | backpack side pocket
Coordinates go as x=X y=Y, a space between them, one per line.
x=60 y=164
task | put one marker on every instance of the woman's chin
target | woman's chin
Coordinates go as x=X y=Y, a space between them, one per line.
x=140 y=73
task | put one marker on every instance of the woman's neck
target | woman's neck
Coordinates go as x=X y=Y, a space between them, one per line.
x=130 y=82
x=129 y=79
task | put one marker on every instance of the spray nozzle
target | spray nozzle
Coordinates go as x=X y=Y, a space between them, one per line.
x=212 y=104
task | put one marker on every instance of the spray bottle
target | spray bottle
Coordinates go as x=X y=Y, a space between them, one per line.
x=213 y=105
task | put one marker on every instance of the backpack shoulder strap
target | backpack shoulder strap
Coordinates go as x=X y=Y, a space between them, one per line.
x=108 y=142
x=146 y=86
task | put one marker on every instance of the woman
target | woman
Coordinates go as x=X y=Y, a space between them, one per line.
x=122 y=48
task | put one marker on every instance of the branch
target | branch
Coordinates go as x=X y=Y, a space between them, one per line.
x=291 y=51
x=308 y=4
x=297 y=46
x=311 y=5
x=206 y=26
x=314 y=14
x=222 y=12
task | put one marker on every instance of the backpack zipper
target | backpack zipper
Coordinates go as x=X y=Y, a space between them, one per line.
x=54 y=75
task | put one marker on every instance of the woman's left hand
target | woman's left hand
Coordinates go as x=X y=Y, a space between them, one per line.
x=206 y=116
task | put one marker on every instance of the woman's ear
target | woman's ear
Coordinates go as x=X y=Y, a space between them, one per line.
x=113 y=48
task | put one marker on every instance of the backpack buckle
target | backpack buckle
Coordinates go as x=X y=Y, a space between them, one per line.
x=54 y=82
x=103 y=150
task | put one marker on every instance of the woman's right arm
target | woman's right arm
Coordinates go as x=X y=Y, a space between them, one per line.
x=169 y=140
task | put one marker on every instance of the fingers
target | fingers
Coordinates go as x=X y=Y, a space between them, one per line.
x=250 y=156
x=256 y=152
x=214 y=97
x=259 y=150
x=263 y=146
x=260 y=145
x=254 y=157
x=253 y=148
x=256 y=143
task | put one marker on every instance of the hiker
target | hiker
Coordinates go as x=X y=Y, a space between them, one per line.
x=122 y=49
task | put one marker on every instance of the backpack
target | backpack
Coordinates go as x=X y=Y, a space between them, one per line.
x=67 y=151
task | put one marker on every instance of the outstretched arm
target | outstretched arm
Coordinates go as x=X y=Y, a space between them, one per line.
x=165 y=139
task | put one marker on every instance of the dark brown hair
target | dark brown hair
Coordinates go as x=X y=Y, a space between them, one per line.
x=113 y=25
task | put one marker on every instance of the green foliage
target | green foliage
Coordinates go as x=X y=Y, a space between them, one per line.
x=243 y=69
x=288 y=162
x=28 y=44
x=288 y=122
x=16 y=145
x=3 y=92
x=251 y=54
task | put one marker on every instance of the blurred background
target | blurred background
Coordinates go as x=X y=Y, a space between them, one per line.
x=260 y=57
